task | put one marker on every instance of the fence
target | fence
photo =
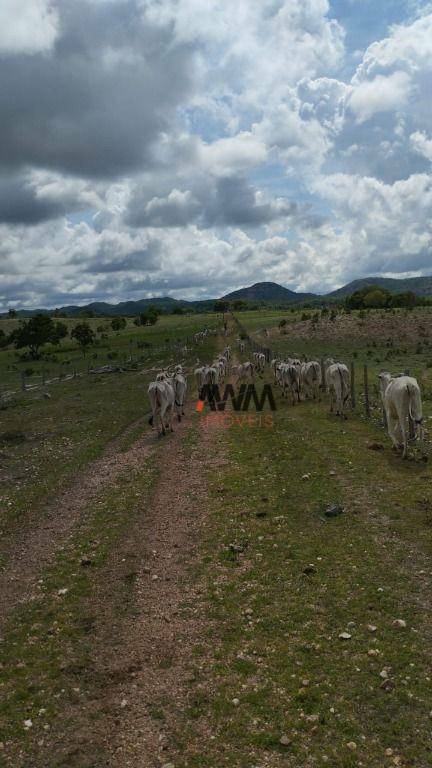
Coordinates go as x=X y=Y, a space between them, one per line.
x=365 y=396
x=50 y=373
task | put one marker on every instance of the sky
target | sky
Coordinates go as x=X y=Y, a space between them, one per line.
x=192 y=147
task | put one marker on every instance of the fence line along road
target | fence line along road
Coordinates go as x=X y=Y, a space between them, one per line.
x=110 y=364
x=363 y=395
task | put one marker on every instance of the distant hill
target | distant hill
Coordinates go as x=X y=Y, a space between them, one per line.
x=268 y=292
x=259 y=293
x=422 y=286
x=125 y=308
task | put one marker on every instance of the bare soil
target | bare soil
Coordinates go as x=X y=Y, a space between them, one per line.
x=31 y=547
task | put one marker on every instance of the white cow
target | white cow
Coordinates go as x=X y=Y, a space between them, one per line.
x=260 y=361
x=200 y=379
x=179 y=382
x=211 y=375
x=289 y=379
x=311 y=378
x=327 y=363
x=338 y=382
x=402 y=401
x=242 y=371
x=162 y=398
x=273 y=365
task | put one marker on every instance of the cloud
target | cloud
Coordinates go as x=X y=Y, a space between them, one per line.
x=382 y=94
x=27 y=26
x=94 y=104
x=149 y=146
x=421 y=144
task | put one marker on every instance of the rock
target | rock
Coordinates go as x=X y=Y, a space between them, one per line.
x=373 y=652
x=332 y=473
x=123 y=703
x=261 y=513
x=399 y=624
x=62 y=591
x=238 y=548
x=47 y=395
x=372 y=628
x=306 y=477
x=352 y=746
x=344 y=636
x=387 y=685
x=28 y=724
x=334 y=510
x=86 y=561
x=309 y=569
x=375 y=446
x=248 y=611
x=236 y=702
x=285 y=740
x=384 y=674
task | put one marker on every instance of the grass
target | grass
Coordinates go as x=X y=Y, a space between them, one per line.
x=274 y=665
x=271 y=682
x=44 y=441
x=50 y=662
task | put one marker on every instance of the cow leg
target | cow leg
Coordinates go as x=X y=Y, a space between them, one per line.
x=393 y=430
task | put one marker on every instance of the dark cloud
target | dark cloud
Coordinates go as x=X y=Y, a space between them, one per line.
x=141 y=261
x=226 y=201
x=20 y=204
x=96 y=103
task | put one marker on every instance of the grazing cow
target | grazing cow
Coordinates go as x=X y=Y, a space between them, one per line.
x=260 y=361
x=211 y=375
x=162 y=398
x=338 y=382
x=289 y=376
x=327 y=363
x=200 y=378
x=180 y=387
x=402 y=401
x=242 y=371
x=273 y=365
x=311 y=378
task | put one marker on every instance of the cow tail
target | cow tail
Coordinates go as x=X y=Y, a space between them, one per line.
x=414 y=404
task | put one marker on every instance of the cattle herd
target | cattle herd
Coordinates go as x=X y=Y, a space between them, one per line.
x=400 y=395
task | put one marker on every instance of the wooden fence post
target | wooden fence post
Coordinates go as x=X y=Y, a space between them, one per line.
x=353 y=392
x=23 y=381
x=366 y=391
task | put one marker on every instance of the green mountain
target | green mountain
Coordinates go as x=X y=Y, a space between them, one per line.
x=422 y=286
x=269 y=293
x=259 y=293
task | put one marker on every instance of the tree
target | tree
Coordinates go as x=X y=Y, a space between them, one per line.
x=221 y=306
x=178 y=311
x=376 y=299
x=83 y=335
x=12 y=313
x=239 y=305
x=34 y=333
x=149 y=317
x=118 y=323
x=60 y=332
